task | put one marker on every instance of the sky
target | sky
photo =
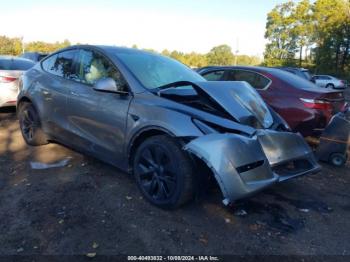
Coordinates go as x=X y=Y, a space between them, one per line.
x=183 y=25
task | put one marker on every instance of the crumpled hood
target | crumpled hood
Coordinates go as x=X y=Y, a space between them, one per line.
x=239 y=99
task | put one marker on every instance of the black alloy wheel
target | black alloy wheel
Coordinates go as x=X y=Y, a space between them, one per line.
x=30 y=125
x=163 y=172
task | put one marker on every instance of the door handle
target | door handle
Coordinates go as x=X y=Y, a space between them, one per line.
x=46 y=93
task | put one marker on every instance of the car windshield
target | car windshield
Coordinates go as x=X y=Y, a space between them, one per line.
x=15 y=64
x=154 y=71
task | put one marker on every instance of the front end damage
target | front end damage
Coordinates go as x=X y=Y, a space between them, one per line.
x=244 y=165
x=247 y=145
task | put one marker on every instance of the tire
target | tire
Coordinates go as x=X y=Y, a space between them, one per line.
x=330 y=86
x=30 y=125
x=164 y=172
x=338 y=159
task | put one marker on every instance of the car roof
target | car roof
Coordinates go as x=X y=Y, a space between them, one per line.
x=254 y=68
x=108 y=49
x=39 y=53
x=9 y=57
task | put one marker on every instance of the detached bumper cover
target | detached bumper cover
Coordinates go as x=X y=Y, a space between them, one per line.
x=243 y=165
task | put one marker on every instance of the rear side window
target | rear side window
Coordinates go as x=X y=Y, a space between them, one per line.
x=214 y=76
x=48 y=64
x=15 y=64
x=254 y=79
x=62 y=64
x=291 y=79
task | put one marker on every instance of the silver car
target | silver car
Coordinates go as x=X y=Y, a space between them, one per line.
x=11 y=68
x=156 y=118
x=328 y=81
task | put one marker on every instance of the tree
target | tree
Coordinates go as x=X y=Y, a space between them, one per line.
x=10 y=46
x=321 y=27
x=282 y=42
x=220 y=55
x=332 y=34
x=196 y=60
x=166 y=52
x=303 y=28
x=178 y=56
x=44 y=47
x=248 y=60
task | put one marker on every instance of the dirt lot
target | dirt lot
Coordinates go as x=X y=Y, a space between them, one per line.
x=87 y=206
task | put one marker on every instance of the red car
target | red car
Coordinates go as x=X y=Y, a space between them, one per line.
x=306 y=108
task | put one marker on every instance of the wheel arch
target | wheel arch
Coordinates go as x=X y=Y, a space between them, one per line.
x=141 y=136
x=22 y=100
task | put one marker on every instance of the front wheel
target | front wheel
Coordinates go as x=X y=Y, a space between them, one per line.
x=163 y=172
x=30 y=125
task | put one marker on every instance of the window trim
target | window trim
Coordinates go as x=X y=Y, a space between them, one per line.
x=247 y=70
x=78 y=49
x=57 y=53
x=258 y=73
x=213 y=71
x=109 y=60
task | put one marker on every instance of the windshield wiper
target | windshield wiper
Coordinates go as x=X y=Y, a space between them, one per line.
x=163 y=88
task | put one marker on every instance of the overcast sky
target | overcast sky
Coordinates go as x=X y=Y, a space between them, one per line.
x=184 y=25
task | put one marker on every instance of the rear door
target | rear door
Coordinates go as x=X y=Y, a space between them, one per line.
x=55 y=90
x=97 y=120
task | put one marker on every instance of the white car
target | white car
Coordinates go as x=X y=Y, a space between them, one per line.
x=11 y=68
x=328 y=81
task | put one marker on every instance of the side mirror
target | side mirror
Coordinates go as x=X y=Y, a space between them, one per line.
x=110 y=86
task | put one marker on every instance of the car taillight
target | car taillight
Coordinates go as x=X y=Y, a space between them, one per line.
x=316 y=104
x=7 y=79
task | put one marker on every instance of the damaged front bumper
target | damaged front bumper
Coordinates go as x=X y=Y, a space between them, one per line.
x=243 y=165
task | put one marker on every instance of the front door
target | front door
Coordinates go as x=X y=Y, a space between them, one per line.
x=97 y=119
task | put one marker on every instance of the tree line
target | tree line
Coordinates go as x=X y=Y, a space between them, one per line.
x=313 y=34
x=15 y=46
x=219 y=55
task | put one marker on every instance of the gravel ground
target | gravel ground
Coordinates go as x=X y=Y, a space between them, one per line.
x=87 y=206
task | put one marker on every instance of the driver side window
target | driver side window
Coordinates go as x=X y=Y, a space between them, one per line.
x=92 y=67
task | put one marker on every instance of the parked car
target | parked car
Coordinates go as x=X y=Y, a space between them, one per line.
x=34 y=56
x=328 y=81
x=154 y=117
x=11 y=68
x=306 y=108
x=301 y=72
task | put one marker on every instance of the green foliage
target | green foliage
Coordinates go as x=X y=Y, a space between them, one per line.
x=246 y=60
x=220 y=55
x=10 y=46
x=14 y=46
x=43 y=47
x=279 y=31
x=321 y=29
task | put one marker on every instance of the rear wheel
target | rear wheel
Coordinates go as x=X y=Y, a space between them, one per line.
x=338 y=159
x=30 y=125
x=164 y=172
x=330 y=86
